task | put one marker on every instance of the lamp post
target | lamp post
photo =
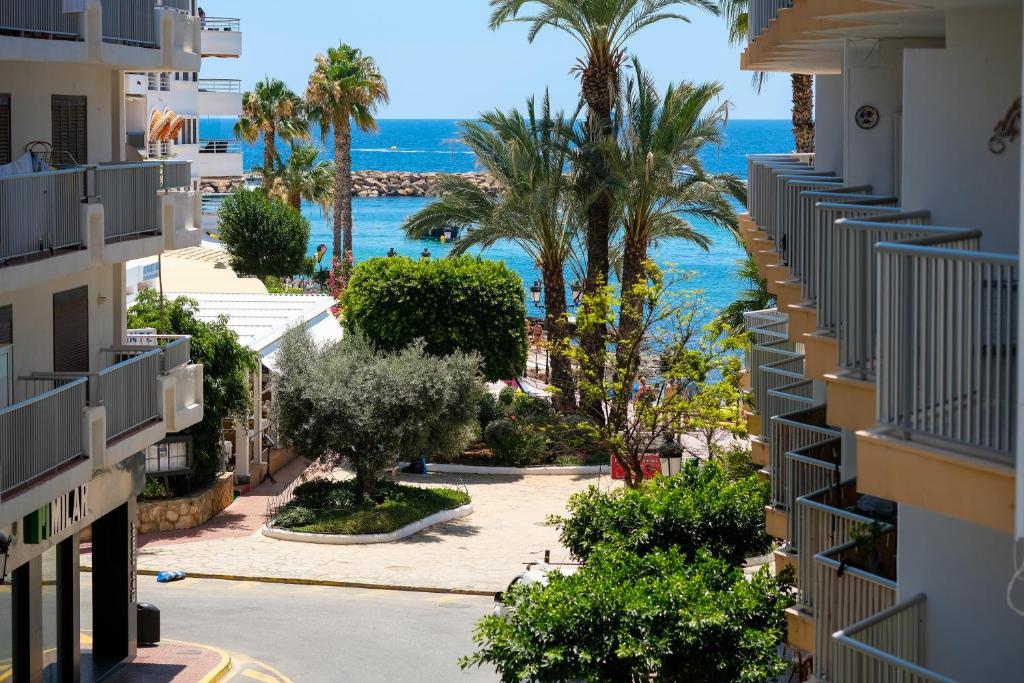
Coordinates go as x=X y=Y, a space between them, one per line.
x=671 y=455
x=392 y=253
x=535 y=290
x=425 y=254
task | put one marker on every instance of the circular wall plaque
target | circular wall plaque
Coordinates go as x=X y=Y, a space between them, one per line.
x=866 y=117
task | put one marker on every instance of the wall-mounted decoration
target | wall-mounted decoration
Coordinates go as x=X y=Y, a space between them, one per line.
x=866 y=117
x=1007 y=130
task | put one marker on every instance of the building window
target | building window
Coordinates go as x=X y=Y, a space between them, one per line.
x=165 y=80
x=151 y=81
x=171 y=456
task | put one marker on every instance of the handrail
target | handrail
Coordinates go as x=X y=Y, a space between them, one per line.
x=221 y=146
x=129 y=195
x=131 y=22
x=45 y=17
x=221 y=24
x=41 y=212
x=220 y=85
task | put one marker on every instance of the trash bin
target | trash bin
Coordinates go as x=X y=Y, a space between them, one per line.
x=149 y=624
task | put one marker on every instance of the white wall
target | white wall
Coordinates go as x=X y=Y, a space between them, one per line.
x=872 y=71
x=952 y=100
x=963 y=569
x=828 y=122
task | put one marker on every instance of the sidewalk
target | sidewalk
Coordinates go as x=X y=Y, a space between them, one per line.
x=175 y=662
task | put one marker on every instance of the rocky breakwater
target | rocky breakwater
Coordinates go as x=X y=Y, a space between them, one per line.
x=410 y=184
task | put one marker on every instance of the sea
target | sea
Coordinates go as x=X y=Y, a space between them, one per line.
x=422 y=145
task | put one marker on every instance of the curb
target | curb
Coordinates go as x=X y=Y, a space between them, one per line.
x=222 y=668
x=364 y=539
x=554 y=470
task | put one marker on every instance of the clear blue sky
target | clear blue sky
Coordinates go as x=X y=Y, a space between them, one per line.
x=441 y=60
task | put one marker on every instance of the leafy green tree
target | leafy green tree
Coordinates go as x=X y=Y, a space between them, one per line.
x=263 y=236
x=602 y=28
x=345 y=87
x=624 y=617
x=227 y=366
x=271 y=110
x=527 y=152
x=303 y=176
x=453 y=304
x=347 y=400
x=701 y=509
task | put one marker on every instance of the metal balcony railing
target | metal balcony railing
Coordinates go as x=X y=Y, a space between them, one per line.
x=808 y=470
x=220 y=147
x=41 y=213
x=947 y=346
x=847 y=591
x=887 y=647
x=128 y=193
x=790 y=232
x=792 y=432
x=856 y=277
x=176 y=349
x=221 y=24
x=761 y=13
x=39 y=17
x=131 y=22
x=785 y=375
x=129 y=390
x=762 y=355
x=228 y=85
x=180 y=5
x=760 y=180
x=42 y=434
x=176 y=175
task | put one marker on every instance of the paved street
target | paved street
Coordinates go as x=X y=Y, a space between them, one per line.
x=311 y=633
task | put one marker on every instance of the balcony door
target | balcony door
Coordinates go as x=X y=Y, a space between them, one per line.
x=6 y=357
x=71 y=330
x=69 y=120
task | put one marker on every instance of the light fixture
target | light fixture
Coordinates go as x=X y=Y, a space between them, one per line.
x=425 y=254
x=392 y=253
x=670 y=454
x=535 y=290
x=577 y=292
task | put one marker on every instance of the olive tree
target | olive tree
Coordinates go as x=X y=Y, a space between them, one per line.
x=347 y=400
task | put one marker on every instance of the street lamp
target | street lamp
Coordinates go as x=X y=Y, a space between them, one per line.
x=535 y=290
x=425 y=254
x=671 y=455
x=577 y=292
x=392 y=253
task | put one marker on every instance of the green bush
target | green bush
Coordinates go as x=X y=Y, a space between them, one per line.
x=625 y=617
x=488 y=409
x=526 y=407
x=263 y=236
x=514 y=444
x=701 y=508
x=453 y=304
x=507 y=395
x=737 y=463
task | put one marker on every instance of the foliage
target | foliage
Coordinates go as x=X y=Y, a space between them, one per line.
x=155 y=489
x=624 y=617
x=507 y=395
x=488 y=409
x=465 y=304
x=754 y=297
x=302 y=176
x=336 y=507
x=526 y=407
x=226 y=368
x=514 y=444
x=737 y=463
x=348 y=400
x=263 y=237
x=271 y=110
x=699 y=509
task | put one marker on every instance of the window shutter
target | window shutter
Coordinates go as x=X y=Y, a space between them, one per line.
x=6 y=325
x=71 y=330
x=70 y=130
x=5 y=129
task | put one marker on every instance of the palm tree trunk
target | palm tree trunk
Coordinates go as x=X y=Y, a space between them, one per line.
x=555 y=321
x=295 y=199
x=627 y=352
x=269 y=149
x=342 y=188
x=803 y=112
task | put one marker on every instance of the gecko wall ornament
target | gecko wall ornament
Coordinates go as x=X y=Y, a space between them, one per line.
x=1007 y=130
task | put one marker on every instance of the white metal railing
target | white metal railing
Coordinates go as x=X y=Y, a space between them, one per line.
x=41 y=434
x=46 y=17
x=132 y=22
x=129 y=195
x=221 y=24
x=176 y=349
x=130 y=392
x=41 y=212
x=785 y=197
x=782 y=388
x=760 y=180
x=795 y=224
x=180 y=5
x=220 y=147
x=229 y=85
x=886 y=647
x=856 y=279
x=791 y=432
x=846 y=593
x=176 y=174
x=766 y=326
x=810 y=469
x=762 y=355
x=761 y=13
x=947 y=345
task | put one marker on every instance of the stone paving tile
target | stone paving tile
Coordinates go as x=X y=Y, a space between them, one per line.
x=480 y=552
x=170 y=662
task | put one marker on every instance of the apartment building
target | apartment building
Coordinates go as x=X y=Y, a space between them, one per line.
x=80 y=398
x=884 y=385
x=164 y=109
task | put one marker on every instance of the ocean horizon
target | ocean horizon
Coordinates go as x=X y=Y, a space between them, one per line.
x=432 y=145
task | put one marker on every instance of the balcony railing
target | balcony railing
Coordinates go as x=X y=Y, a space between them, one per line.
x=887 y=647
x=947 y=354
x=792 y=432
x=41 y=213
x=228 y=85
x=131 y=22
x=761 y=13
x=220 y=147
x=808 y=470
x=793 y=222
x=42 y=434
x=44 y=17
x=221 y=24
x=176 y=349
x=852 y=583
x=856 y=279
x=180 y=5
x=128 y=193
x=760 y=180
x=781 y=386
x=176 y=175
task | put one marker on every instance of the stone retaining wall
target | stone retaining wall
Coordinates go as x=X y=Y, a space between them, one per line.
x=376 y=183
x=187 y=512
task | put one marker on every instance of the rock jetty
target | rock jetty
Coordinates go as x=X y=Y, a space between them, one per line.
x=377 y=183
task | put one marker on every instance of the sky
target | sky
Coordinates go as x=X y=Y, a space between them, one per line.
x=442 y=61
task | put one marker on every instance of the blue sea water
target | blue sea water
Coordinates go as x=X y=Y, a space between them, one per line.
x=431 y=145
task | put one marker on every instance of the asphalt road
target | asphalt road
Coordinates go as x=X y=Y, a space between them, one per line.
x=320 y=634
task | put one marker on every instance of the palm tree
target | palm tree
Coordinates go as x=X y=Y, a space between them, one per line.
x=527 y=153
x=303 y=176
x=660 y=182
x=737 y=19
x=272 y=110
x=755 y=297
x=602 y=27
x=346 y=86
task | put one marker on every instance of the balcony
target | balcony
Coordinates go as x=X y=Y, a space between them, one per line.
x=762 y=14
x=801 y=439
x=220 y=97
x=220 y=158
x=222 y=37
x=887 y=646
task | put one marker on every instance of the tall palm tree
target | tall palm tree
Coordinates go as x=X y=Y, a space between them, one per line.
x=660 y=183
x=737 y=20
x=602 y=28
x=526 y=151
x=272 y=110
x=303 y=176
x=346 y=86
x=755 y=297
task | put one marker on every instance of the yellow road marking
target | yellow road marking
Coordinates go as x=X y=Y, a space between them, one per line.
x=259 y=676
